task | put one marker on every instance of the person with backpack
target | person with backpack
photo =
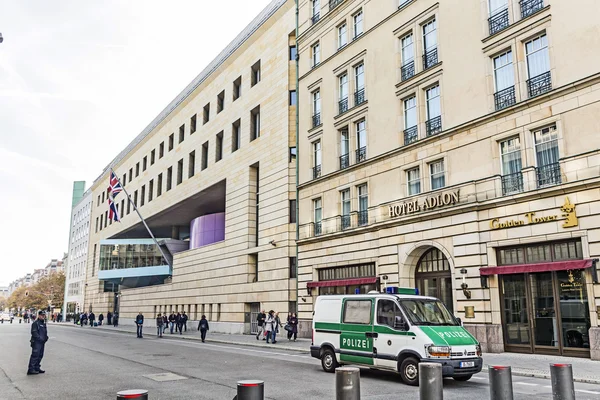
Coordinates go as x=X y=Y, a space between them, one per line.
x=172 y=320
x=184 y=320
x=203 y=327
x=139 y=321
x=159 y=325
x=260 y=320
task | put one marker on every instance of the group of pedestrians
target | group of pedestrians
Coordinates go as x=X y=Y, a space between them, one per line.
x=176 y=322
x=269 y=324
x=89 y=318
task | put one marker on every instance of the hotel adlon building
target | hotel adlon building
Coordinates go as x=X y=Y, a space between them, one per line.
x=455 y=150
x=214 y=177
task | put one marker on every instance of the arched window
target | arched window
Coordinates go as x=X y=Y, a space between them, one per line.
x=433 y=276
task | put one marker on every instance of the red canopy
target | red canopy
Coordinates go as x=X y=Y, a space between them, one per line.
x=342 y=282
x=541 y=267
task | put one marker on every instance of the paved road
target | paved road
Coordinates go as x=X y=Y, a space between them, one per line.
x=94 y=364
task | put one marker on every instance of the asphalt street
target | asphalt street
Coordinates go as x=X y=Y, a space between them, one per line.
x=86 y=363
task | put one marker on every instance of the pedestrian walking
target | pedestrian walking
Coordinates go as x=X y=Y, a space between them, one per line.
x=260 y=320
x=139 y=321
x=203 y=327
x=83 y=319
x=159 y=325
x=172 y=320
x=100 y=319
x=109 y=317
x=92 y=318
x=292 y=322
x=39 y=337
x=179 y=322
x=165 y=322
x=116 y=319
x=184 y=320
x=276 y=326
x=269 y=325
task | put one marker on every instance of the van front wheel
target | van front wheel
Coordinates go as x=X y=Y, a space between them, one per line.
x=409 y=371
x=328 y=361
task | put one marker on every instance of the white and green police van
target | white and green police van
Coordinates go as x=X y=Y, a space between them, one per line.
x=392 y=332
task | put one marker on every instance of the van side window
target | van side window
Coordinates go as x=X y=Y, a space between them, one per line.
x=388 y=313
x=357 y=312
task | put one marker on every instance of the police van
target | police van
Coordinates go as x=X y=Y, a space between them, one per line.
x=392 y=331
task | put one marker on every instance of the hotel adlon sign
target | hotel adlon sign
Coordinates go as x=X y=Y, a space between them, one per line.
x=425 y=204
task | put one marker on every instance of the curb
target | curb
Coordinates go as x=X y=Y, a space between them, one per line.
x=526 y=373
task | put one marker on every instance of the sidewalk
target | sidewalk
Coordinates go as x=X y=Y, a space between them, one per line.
x=531 y=365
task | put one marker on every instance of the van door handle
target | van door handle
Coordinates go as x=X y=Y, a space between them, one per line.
x=371 y=334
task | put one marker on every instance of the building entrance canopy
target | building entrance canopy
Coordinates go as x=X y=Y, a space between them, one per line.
x=540 y=267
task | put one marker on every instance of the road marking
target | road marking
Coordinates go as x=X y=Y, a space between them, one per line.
x=586 y=391
x=526 y=383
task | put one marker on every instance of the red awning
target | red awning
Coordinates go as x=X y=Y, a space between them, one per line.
x=542 y=267
x=342 y=282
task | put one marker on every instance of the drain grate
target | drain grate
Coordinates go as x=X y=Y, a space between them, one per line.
x=165 y=377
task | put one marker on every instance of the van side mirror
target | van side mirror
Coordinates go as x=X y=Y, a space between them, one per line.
x=459 y=321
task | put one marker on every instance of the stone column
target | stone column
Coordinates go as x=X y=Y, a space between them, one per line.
x=595 y=342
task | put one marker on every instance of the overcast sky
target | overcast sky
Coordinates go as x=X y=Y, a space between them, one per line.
x=78 y=81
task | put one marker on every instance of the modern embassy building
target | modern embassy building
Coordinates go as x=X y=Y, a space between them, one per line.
x=213 y=175
x=456 y=150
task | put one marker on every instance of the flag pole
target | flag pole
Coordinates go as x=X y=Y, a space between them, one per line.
x=142 y=218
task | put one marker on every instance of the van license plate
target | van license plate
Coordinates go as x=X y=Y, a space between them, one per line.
x=467 y=364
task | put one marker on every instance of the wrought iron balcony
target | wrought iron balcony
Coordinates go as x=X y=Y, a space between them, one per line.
x=548 y=175
x=344 y=161
x=434 y=126
x=334 y=3
x=430 y=58
x=361 y=154
x=512 y=183
x=343 y=105
x=363 y=217
x=505 y=98
x=498 y=21
x=316 y=120
x=539 y=84
x=318 y=228
x=345 y=221
x=411 y=135
x=530 y=7
x=316 y=171
x=407 y=70
x=315 y=18
x=359 y=97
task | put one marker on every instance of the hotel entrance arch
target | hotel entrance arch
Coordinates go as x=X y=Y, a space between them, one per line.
x=433 y=276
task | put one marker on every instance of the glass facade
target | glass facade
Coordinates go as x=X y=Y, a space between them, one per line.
x=122 y=256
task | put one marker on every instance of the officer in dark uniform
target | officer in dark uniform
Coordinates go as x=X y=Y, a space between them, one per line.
x=39 y=337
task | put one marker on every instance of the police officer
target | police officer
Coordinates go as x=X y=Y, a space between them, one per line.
x=39 y=337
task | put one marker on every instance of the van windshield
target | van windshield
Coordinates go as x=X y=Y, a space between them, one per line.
x=427 y=312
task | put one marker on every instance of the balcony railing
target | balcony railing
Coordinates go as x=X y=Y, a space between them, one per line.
x=430 y=58
x=498 y=21
x=316 y=120
x=318 y=228
x=344 y=161
x=530 y=7
x=316 y=171
x=512 y=183
x=407 y=71
x=411 y=135
x=434 y=126
x=334 y=3
x=315 y=18
x=404 y=3
x=345 y=221
x=539 y=84
x=505 y=98
x=363 y=217
x=359 y=97
x=361 y=154
x=548 y=175
x=343 y=105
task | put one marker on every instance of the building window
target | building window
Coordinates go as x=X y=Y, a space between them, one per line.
x=191 y=164
x=220 y=101
x=293 y=53
x=130 y=174
x=547 y=156
x=434 y=111
x=237 y=88
x=316 y=11
x=256 y=73
x=193 y=124
x=538 y=66
x=150 y=190
x=169 y=178
x=96 y=224
x=343 y=93
x=358 y=24
x=293 y=153
x=316 y=105
x=438 y=175
x=128 y=210
x=316 y=159
x=510 y=164
x=236 y=135
x=255 y=123
x=171 y=141
x=143 y=196
x=152 y=157
x=345 y=208
x=414 y=181
x=161 y=150
x=293 y=98
x=135 y=199
x=498 y=19
x=204 y=156
x=344 y=148
x=430 y=53
x=408 y=57
x=124 y=181
x=180 y=171
x=342 y=35
x=361 y=141
x=292 y=211
x=219 y=147
x=363 y=205
x=530 y=7
x=504 y=79
x=137 y=173
x=410 y=120
x=159 y=185
x=206 y=113
x=317 y=214
x=293 y=269
x=181 y=133
x=316 y=54
x=103 y=193
x=359 y=83
x=144 y=163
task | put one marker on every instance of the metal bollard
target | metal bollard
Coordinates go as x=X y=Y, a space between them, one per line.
x=431 y=381
x=250 y=390
x=562 y=382
x=347 y=383
x=501 y=387
x=139 y=394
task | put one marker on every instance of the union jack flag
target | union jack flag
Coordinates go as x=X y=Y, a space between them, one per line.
x=113 y=212
x=114 y=186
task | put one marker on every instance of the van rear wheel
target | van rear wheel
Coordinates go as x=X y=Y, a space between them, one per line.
x=409 y=371
x=328 y=361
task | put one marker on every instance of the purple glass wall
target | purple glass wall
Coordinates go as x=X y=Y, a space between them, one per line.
x=207 y=229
